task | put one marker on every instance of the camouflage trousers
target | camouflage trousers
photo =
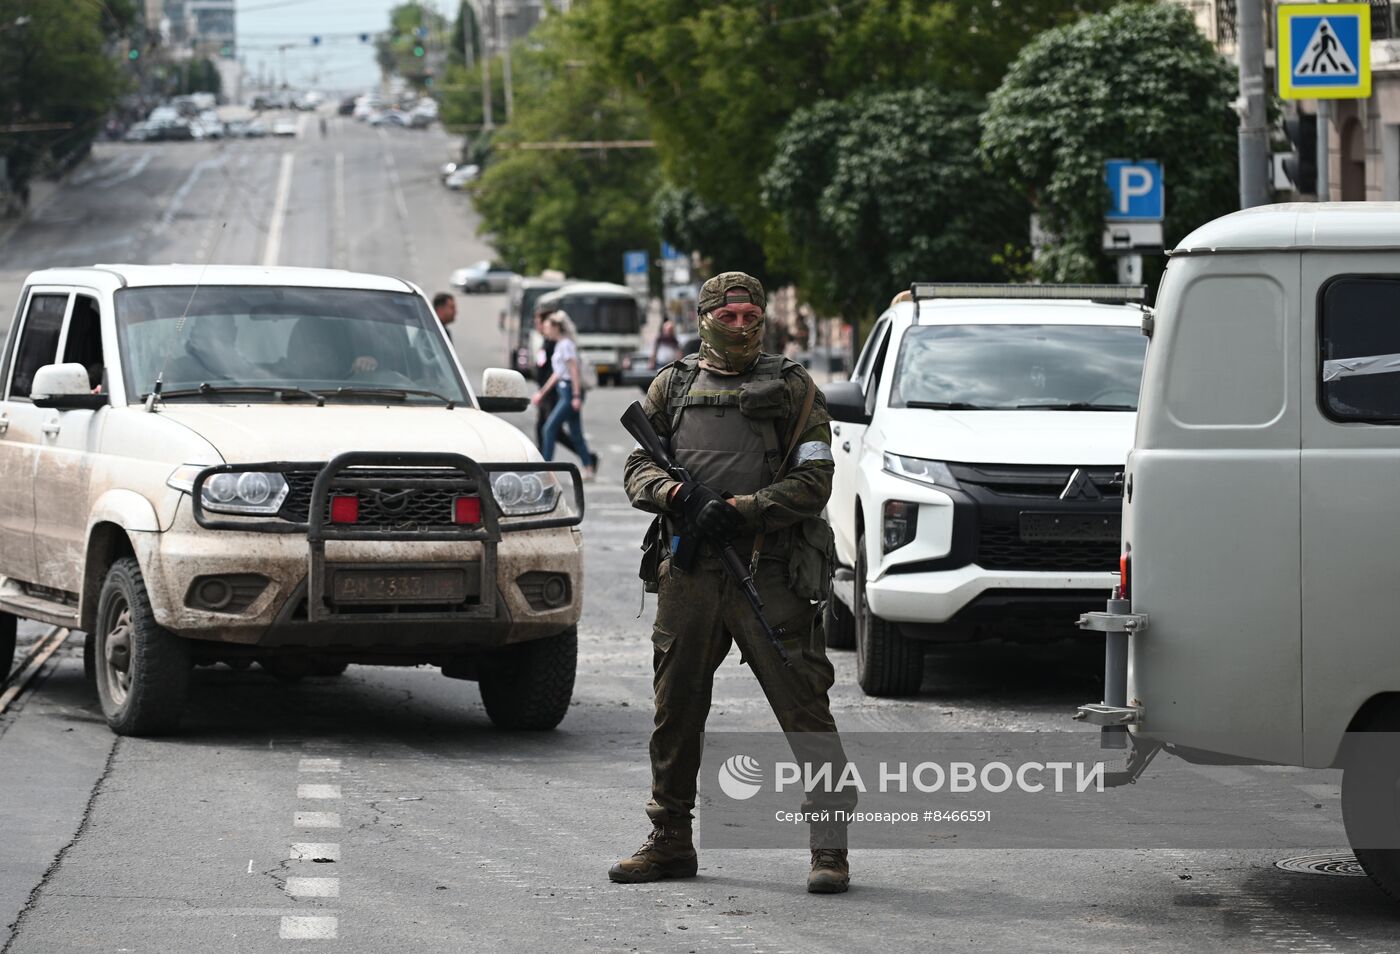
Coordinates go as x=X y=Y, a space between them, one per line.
x=699 y=615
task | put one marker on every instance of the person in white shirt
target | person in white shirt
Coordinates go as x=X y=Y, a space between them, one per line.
x=564 y=382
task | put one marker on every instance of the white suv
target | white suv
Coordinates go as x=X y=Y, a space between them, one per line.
x=238 y=464
x=979 y=447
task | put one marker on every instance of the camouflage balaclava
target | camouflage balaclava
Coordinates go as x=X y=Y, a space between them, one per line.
x=726 y=350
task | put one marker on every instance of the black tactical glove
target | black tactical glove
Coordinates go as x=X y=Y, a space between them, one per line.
x=708 y=512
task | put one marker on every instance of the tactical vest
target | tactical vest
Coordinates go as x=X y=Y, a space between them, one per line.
x=726 y=429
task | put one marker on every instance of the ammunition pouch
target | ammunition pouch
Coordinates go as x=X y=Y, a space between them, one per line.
x=811 y=559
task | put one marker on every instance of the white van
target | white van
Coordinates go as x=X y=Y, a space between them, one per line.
x=1261 y=530
x=609 y=322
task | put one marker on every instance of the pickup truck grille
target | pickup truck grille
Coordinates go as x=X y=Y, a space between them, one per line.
x=1001 y=548
x=387 y=507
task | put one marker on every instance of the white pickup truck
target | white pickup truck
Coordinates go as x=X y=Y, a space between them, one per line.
x=236 y=464
x=979 y=449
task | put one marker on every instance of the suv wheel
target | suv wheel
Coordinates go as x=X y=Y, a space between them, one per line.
x=1371 y=797
x=839 y=624
x=887 y=664
x=529 y=686
x=7 y=644
x=143 y=670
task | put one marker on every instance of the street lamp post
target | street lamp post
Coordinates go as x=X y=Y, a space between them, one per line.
x=486 y=123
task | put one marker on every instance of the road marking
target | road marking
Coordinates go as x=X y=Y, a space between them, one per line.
x=318 y=791
x=308 y=929
x=318 y=765
x=177 y=200
x=250 y=865
x=342 y=243
x=272 y=251
x=409 y=247
x=138 y=167
x=316 y=820
x=314 y=887
x=313 y=850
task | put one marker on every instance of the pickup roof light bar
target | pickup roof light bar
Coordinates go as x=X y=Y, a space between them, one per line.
x=921 y=291
x=1105 y=294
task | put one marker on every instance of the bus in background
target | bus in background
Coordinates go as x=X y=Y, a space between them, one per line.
x=609 y=322
x=517 y=321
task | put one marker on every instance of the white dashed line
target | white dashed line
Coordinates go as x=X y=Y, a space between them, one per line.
x=311 y=851
x=313 y=887
x=272 y=250
x=1322 y=791
x=316 y=820
x=318 y=765
x=308 y=929
x=318 y=791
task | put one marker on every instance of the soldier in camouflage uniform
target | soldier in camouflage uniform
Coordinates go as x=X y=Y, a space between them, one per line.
x=729 y=416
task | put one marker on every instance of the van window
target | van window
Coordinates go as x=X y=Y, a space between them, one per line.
x=38 y=343
x=602 y=314
x=1360 y=343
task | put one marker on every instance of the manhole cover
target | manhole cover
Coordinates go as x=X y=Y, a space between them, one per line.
x=1333 y=863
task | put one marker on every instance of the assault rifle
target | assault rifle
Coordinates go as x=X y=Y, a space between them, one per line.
x=634 y=419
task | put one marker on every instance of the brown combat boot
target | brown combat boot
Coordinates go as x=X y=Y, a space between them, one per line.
x=667 y=853
x=831 y=871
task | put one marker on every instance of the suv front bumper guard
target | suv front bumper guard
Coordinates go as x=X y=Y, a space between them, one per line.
x=337 y=476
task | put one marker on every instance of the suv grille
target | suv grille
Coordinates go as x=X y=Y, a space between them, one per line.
x=390 y=507
x=1001 y=548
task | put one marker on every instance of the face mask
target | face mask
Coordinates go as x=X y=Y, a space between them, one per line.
x=729 y=350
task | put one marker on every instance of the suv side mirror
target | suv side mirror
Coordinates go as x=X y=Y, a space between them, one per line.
x=65 y=387
x=845 y=401
x=503 y=390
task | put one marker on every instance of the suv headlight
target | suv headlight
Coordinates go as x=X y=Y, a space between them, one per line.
x=243 y=492
x=935 y=473
x=521 y=493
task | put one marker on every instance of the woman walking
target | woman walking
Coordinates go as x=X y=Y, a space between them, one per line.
x=564 y=382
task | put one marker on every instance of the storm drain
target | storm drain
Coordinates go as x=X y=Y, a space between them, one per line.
x=1334 y=863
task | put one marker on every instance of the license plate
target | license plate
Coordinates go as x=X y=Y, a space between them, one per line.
x=390 y=585
x=1070 y=527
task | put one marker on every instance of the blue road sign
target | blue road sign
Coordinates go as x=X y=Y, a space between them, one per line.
x=669 y=251
x=1324 y=50
x=634 y=263
x=1137 y=190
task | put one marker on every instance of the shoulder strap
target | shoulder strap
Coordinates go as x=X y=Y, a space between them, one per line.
x=683 y=375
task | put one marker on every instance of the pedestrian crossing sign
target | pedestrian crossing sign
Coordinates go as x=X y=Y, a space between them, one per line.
x=1324 y=50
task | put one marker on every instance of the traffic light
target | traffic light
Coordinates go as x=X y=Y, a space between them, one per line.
x=315 y=41
x=134 y=55
x=364 y=37
x=1301 y=165
x=418 y=50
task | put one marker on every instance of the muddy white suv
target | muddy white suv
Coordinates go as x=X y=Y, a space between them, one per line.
x=280 y=465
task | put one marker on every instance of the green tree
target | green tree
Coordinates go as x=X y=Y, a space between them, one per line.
x=689 y=222
x=570 y=209
x=56 y=66
x=881 y=189
x=1137 y=82
x=720 y=79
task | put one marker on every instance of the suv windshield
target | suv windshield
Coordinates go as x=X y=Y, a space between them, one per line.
x=260 y=337
x=1019 y=367
x=601 y=314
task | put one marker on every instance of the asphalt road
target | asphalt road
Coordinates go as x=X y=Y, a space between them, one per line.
x=379 y=811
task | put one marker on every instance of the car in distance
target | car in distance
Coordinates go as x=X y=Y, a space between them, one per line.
x=237 y=464
x=482 y=277
x=978 y=490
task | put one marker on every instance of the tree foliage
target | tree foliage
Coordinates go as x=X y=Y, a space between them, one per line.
x=394 y=49
x=55 y=67
x=720 y=79
x=1137 y=82
x=689 y=222
x=569 y=209
x=882 y=189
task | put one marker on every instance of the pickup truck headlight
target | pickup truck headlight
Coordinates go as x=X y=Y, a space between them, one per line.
x=522 y=492
x=242 y=492
x=935 y=473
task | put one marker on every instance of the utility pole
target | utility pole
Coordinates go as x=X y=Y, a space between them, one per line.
x=1324 y=162
x=486 y=124
x=468 y=18
x=1254 y=129
x=503 y=39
